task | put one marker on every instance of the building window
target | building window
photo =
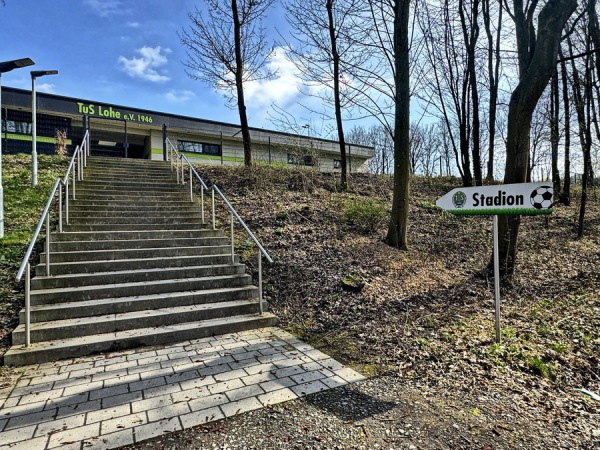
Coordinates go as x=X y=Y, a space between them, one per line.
x=309 y=161
x=199 y=147
x=337 y=163
x=293 y=159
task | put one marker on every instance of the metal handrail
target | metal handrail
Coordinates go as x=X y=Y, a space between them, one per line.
x=179 y=157
x=242 y=223
x=231 y=208
x=37 y=230
x=81 y=153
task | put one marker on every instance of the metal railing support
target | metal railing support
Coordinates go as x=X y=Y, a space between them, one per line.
x=60 y=207
x=182 y=173
x=191 y=187
x=213 y=209
x=177 y=169
x=48 y=244
x=27 y=305
x=79 y=174
x=202 y=202
x=260 y=292
x=67 y=203
x=73 y=184
x=232 y=244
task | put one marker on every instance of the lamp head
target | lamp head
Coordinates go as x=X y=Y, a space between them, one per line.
x=7 y=66
x=41 y=73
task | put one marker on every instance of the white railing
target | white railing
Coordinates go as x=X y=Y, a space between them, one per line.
x=178 y=161
x=78 y=163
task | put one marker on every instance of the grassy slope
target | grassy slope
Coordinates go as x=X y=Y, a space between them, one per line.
x=23 y=206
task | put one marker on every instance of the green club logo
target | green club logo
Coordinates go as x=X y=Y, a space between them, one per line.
x=459 y=199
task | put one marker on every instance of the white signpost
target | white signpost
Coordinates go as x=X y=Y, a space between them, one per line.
x=509 y=199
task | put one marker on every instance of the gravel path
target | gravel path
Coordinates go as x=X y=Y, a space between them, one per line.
x=385 y=413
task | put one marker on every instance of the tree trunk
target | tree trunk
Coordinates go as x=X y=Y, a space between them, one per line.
x=554 y=120
x=494 y=74
x=239 y=84
x=336 y=94
x=566 y=191
x=470 y=36
x=397 y=231
x=534 y=78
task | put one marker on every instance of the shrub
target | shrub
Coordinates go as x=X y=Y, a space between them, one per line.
x=366 y=214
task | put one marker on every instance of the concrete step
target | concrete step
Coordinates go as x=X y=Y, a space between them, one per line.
x=73 y=246
x=62 y=295
x=143 y=224
x=87 y=266
x=134 y=216
x=86 y=345
x=81 y=280
x=99 y=307
x=132 y=196
x=122 y=162
x=134 y=234
x=91 y=172
x=110 y=323
x=133 y=253
x=133 y=208
x=136 y=185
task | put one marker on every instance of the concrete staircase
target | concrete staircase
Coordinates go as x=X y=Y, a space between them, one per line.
x=135 y=267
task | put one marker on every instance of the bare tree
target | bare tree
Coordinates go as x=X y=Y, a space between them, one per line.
x=321 y=50
x=398 y=227
x=451 y=32
x=376 y=136
x=566 y=189
x=226 y=48
x=494 y=60
x=537 y=56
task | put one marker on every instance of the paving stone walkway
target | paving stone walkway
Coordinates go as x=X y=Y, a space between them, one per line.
x=110 y=400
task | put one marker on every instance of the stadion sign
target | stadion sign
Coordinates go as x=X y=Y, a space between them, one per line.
x=507 y=199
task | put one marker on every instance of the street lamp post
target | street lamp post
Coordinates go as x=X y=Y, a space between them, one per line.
x=7 y=66
x=35 y=74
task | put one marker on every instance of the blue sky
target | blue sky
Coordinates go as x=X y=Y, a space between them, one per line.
x=127 y=52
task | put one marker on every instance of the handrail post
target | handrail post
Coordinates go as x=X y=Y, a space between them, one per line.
x=48 y=244
x=260 y=290
x=202 y=203
x=79 y=165
x=213 y=208
x=177 y=169
x=27 y=305
x=73 y=183
x=232 y=245
x=60 y=207
x=191 y=186
x=182 y=172
x=67 y=202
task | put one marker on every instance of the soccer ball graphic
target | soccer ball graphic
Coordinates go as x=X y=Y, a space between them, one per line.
x=541 y=197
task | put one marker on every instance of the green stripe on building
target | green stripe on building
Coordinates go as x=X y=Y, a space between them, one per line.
x=25 y=137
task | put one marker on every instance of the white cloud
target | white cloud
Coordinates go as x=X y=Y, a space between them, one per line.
x=179 y=96
x=133 y=24
x=145 y=67
x=283 y=88
x=45 y=87
x=105 y=8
